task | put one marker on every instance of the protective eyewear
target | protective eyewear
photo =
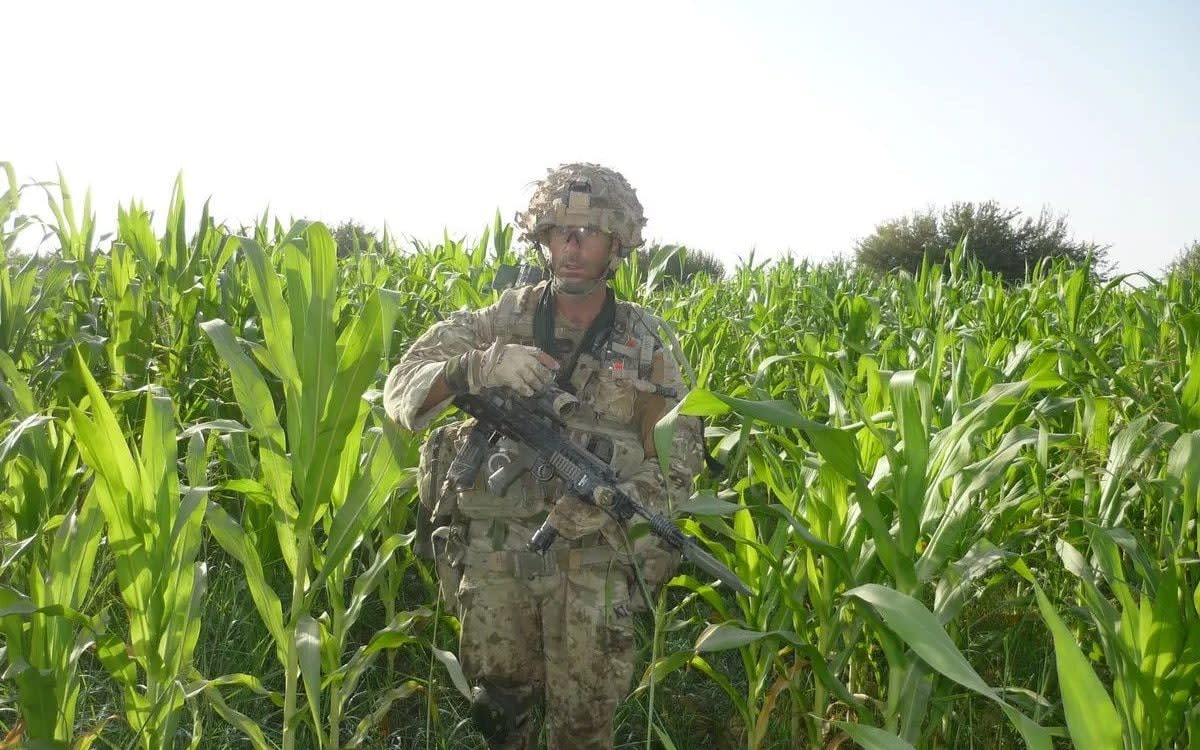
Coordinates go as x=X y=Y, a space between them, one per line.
x=579 y=234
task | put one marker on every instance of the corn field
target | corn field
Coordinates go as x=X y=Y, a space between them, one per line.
x=968 y=510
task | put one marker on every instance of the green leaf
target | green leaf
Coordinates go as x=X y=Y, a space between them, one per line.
x=221 y=426
x=836 y=446
x=383 y=705
x=369 y=491
x=237 y=679
x=958 y=580
x=664 y=438
x=663 y=737
x=237 y=719
x=910 y=392
x=14 y=603
x=16 y=390
x=1091 y=716
x=254 y=398
x=159 y=490
x=1190 y=395
x=16 y=432
x=707 y=504
x=365 y=582
x=725 y=635
x=73 y=554
x=1183 y=466
x=113 y=654
x=273 y=313
x=360 y=349
x=663 y=667
x=309 y=267
x=308 y=648
x=450 y=661
x=917 y=627
x=197 y=460
x=739 y=701
x=103 y=442
x=873 y=738
x=702 y=403
x=834 y=552
x=250 y=489
x=232 y=538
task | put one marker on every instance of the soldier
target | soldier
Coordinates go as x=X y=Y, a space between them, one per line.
x=552 y=632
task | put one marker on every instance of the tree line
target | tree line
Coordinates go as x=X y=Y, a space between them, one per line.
x=1002 y=240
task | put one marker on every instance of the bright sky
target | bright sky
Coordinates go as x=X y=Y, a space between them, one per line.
x=776 y=126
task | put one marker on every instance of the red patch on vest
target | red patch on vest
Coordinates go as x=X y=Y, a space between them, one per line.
x=618 y=366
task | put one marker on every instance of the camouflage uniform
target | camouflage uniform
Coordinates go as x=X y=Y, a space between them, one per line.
x=553 y=631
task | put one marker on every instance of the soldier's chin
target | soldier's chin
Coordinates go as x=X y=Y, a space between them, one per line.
x=575 y=285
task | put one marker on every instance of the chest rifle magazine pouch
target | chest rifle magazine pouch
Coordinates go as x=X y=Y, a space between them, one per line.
x=448 y=501
x=523 y=498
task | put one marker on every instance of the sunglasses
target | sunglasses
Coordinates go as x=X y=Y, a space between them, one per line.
x=579 y=234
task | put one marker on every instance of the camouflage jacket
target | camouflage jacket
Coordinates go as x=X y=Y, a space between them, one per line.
x=617 y=411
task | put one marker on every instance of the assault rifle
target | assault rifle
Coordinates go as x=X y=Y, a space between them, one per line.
x=534 y=424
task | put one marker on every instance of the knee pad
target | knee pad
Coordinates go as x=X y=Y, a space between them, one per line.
x=497 y=711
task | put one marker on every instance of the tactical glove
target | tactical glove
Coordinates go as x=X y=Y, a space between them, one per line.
x=522 y=368
x=574 y=518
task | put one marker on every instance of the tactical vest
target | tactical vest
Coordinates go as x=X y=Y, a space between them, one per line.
x=605 y=422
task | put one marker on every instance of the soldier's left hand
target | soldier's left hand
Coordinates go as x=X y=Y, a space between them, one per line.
x=575 y=518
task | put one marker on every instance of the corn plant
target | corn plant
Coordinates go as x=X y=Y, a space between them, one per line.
x=45 y=632
x=1150 y=636
x=153 y=529
x=50 y=531
x=327 y=486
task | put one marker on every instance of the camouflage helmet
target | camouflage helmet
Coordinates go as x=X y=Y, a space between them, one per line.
x=585 y=195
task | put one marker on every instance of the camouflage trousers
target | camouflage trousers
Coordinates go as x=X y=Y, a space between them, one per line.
x=558 y=641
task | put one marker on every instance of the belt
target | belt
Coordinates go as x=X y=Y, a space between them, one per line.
x=525 y=564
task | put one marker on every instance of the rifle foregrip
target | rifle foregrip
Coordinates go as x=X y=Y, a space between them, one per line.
x=664 y=529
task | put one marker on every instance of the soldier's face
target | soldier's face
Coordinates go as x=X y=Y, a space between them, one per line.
x=579 y=256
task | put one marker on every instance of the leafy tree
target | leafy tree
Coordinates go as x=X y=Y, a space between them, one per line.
x=1188 y=260
x=685 y=263
x=1000 y=239
x=353 y=238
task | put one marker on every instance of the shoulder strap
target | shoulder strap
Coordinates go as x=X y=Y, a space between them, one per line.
x=643 y=326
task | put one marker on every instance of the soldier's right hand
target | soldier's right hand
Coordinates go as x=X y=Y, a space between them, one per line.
x=525 y=369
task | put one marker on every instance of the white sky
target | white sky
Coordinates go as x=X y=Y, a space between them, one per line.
x=776 y=126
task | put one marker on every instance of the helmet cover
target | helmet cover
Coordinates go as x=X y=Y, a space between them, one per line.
x=585 y=195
